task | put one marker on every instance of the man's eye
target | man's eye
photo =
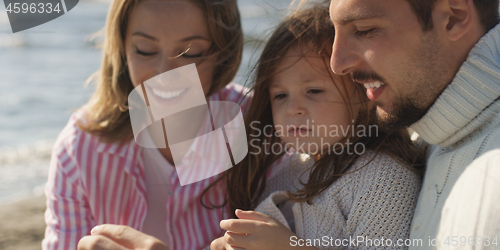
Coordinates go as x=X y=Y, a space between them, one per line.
x=315 y=91
x=279 y=96
x=365 y=33
x=143 y=53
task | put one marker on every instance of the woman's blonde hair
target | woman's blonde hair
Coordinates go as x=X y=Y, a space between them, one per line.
x=107 y=110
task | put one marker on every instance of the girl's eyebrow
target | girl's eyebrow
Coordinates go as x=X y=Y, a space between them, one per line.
x=138 y=33
x=274 y=85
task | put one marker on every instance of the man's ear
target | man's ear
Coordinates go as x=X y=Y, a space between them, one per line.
x=458 y=16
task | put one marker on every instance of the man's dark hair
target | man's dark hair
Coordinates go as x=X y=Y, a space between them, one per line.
x=486 y=9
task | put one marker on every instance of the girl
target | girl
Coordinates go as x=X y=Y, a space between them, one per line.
x=359 y=183
x=98 y=174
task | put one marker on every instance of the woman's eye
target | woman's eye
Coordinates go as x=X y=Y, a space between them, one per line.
x=279 y=96
x=315 y=91
x=186 y=55
x=192 y=56
x=365 y=33
x=144 y=53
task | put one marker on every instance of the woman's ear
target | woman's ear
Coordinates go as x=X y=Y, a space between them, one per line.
x=455 y=17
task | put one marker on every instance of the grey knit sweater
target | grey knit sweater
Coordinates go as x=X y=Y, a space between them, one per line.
x=460 y=195
x=375 y=202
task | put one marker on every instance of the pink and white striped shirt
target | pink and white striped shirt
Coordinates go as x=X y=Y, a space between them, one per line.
x=92 y=183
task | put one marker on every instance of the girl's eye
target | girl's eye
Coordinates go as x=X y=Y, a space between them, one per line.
x=143 y=53
x=279 y=96
x=365 y=33
x=315 y=91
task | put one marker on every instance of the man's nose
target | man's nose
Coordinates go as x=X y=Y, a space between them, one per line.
x=344 y=59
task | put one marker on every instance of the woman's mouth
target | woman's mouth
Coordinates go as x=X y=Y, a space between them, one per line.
x=168 y=95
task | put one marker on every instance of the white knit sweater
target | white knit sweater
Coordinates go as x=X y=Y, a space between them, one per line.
x=377 y=201
x=460 y=195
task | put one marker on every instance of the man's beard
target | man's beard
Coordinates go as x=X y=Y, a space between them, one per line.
x=404 y=113
x=423 y=86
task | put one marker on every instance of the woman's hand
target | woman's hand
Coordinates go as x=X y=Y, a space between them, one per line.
x=254 y=230
x=118 y=237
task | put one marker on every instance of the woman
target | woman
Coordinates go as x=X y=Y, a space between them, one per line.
x=98 y=174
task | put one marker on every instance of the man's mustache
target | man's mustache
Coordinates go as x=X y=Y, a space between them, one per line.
x=361 y=76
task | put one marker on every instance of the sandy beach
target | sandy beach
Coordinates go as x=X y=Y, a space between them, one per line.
x=22 y=225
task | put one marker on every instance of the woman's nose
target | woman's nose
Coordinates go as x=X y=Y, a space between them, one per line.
x=167 y=63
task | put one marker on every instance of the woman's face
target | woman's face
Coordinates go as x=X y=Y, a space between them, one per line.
x=309 y=111
x=163 y=35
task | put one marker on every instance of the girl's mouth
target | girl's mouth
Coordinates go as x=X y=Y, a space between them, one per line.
x=298 y=131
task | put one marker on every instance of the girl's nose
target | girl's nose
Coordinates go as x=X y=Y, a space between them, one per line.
x=295 y=106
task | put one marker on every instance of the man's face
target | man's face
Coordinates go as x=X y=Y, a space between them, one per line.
x=381 y=44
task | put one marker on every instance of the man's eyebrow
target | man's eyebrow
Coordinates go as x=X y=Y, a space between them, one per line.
x=138 y=33
x=356 y=17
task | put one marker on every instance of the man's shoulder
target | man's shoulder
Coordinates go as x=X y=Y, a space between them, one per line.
x=471 y=208
x=487 y=162
x=491 y=140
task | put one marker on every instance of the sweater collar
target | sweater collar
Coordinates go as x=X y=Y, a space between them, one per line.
x=475 y=87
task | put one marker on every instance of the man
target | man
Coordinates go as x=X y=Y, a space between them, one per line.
x=434 y=65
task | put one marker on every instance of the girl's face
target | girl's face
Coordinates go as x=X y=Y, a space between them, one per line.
x=158 y=33
x=309 y=112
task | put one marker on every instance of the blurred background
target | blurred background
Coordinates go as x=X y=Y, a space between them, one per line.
x=43 y=71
